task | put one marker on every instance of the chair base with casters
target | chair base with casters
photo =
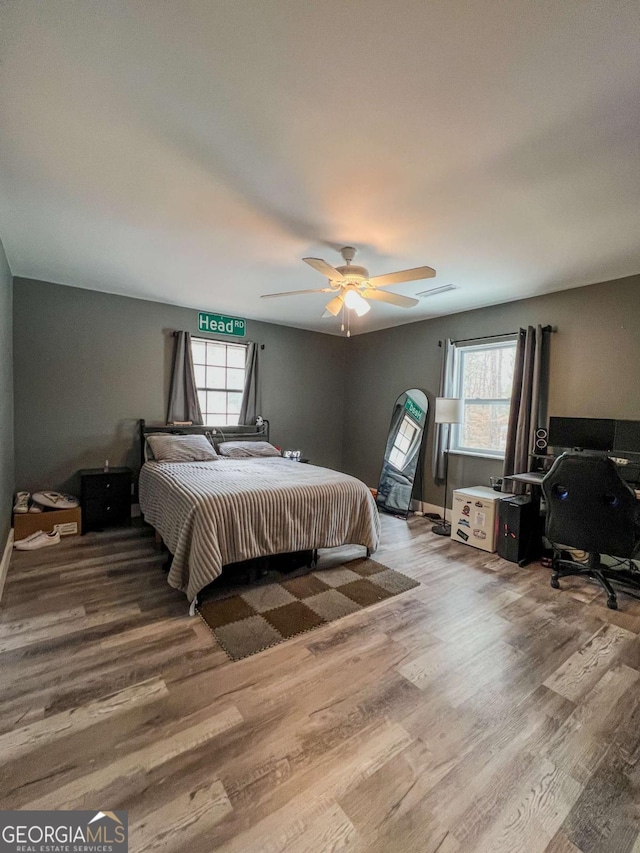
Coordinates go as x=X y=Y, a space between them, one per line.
x=598 y=571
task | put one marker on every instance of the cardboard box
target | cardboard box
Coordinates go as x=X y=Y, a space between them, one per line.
x=68 y=521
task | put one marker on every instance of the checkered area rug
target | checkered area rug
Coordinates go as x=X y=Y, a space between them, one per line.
x=268 y=614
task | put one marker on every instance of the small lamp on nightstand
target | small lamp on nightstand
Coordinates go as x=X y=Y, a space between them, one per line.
x=449 y=410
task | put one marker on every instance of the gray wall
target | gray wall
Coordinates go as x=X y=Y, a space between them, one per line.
x=6 y=399
x=88 y=365
x=594 y=370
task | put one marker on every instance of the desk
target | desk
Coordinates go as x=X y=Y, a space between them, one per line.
x=531 y=478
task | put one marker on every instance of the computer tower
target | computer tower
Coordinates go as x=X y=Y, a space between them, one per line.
x=519 y=530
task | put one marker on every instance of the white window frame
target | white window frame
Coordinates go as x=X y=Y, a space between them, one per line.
x=228 y=345
x=456 y=432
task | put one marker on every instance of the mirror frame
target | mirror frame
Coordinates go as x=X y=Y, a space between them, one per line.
x=394 y=481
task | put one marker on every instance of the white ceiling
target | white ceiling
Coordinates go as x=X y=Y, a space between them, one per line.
x=192 y=152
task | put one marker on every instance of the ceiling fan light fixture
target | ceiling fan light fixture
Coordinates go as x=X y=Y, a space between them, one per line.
x=355 y=302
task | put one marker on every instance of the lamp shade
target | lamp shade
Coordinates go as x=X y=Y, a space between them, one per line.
x=449 y=410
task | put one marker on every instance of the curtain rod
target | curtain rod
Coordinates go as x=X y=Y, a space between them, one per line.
x=174 y=332
x=503 y=335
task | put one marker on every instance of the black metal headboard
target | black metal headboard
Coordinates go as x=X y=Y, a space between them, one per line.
x=242 y=432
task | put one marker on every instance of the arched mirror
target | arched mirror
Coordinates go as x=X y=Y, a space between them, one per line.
x=408 y=423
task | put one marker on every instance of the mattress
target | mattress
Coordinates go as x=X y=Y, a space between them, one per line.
x=210 y=514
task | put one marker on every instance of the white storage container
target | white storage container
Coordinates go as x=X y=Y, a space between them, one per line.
x=474 y=516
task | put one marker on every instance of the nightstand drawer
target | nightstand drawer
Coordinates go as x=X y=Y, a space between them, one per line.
x=104 y=511
x=106 y=485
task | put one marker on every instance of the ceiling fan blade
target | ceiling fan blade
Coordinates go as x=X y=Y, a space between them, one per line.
x=404 y=275
x=335 y=306
x=296 y=292
x=326 y=269
x=391 y=298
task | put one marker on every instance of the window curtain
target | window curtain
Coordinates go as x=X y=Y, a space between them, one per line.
x=441 y=431
x=528 y=403
x=251 y=405
x=183 y=396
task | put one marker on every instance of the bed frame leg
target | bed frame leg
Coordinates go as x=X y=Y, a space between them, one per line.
x=368 y=553
x=192 y=606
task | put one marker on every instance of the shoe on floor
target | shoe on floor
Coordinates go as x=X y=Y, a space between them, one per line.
x=35 y=507
x=38 y=540
x=22 y=502
x=27 y=538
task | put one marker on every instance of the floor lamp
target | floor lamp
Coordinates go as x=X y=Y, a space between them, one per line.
x=449 y=410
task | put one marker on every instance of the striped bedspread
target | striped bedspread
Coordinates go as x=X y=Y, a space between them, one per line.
x=210 y=514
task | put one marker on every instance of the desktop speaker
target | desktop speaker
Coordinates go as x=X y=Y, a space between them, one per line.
x=541 y=443
x=519 y=530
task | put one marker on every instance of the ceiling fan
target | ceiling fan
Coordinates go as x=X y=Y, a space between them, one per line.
x=352 y=286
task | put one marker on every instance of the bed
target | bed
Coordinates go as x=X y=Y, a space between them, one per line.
x=214 y=513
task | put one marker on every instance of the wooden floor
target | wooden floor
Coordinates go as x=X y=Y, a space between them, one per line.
x=482 y=711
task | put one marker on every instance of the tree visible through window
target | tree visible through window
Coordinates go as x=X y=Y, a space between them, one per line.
x=219 y=369
x=484 y=376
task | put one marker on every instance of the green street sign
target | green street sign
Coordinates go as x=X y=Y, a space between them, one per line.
x=415 y=411
x=221 y=325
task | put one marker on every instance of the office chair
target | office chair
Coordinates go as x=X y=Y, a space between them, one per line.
x=591 y=508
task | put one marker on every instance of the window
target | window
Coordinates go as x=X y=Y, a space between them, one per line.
x=403 y=443
x=219 y=369
x=483 y=376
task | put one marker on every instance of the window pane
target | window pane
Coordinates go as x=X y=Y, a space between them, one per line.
x=216 y=354
x=201 y=375
x=215 y=377
x=488 y=373
x=202 y=397
x=235 y=379
x=485 y=426
x=396 y=458
x=234 y=401
x=198 y=348
x=236 y=356
x=216 y=401
x=217 y=419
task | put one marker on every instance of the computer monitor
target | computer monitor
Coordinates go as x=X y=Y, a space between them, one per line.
x=582 y=433
x=627 y=437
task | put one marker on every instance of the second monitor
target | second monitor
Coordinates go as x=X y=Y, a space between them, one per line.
x=582 y=433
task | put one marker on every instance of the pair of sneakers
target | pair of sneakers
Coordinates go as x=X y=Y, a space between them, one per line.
x=37 y=540
x=22 y=503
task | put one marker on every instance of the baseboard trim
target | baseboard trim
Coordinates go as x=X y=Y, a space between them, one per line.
x=423 y=507
x=4 y=563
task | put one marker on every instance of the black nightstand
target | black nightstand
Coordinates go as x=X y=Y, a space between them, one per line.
x=105 y=497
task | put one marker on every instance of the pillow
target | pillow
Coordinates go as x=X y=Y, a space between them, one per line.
x=148 y=452
x=247 y=449
x=181 y=448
